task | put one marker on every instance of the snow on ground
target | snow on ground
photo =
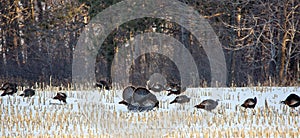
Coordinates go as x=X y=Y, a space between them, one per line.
x=97 y=113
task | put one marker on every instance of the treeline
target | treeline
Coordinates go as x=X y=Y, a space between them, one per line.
x=260 y=39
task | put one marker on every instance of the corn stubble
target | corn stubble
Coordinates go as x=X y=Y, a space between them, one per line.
x=101 y=119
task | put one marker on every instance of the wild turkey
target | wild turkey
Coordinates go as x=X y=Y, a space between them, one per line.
x=138 y=108
x=156 y=87
x=250 y=103
x=171 y=86
x=176 y=90
x=208 y=104
x=5 y=86
x=292 y=100
x=144 y=97
x=127 y=95
x=28 y=93
x=9 y=89
x=61 y=97
x=141 y=100
x=181 y=99
x=102 y=84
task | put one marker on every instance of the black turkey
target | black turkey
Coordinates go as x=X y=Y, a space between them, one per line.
x=102 y=84
x=175 y=90
x=292 y=100
x=249 y=103
x=61 y=97
x=181 y=99
x=28 y=93
x=135 y=107
x=144 y=97
x=208 y=104
x=9 y=89
x=139 y=99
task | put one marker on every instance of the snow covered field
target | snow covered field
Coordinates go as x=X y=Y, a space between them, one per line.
x=95 y=113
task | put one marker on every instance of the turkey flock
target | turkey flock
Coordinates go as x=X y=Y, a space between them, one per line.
x=11 y=89
x=141 y=99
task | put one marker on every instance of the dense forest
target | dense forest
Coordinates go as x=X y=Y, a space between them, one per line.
x=260 y=40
